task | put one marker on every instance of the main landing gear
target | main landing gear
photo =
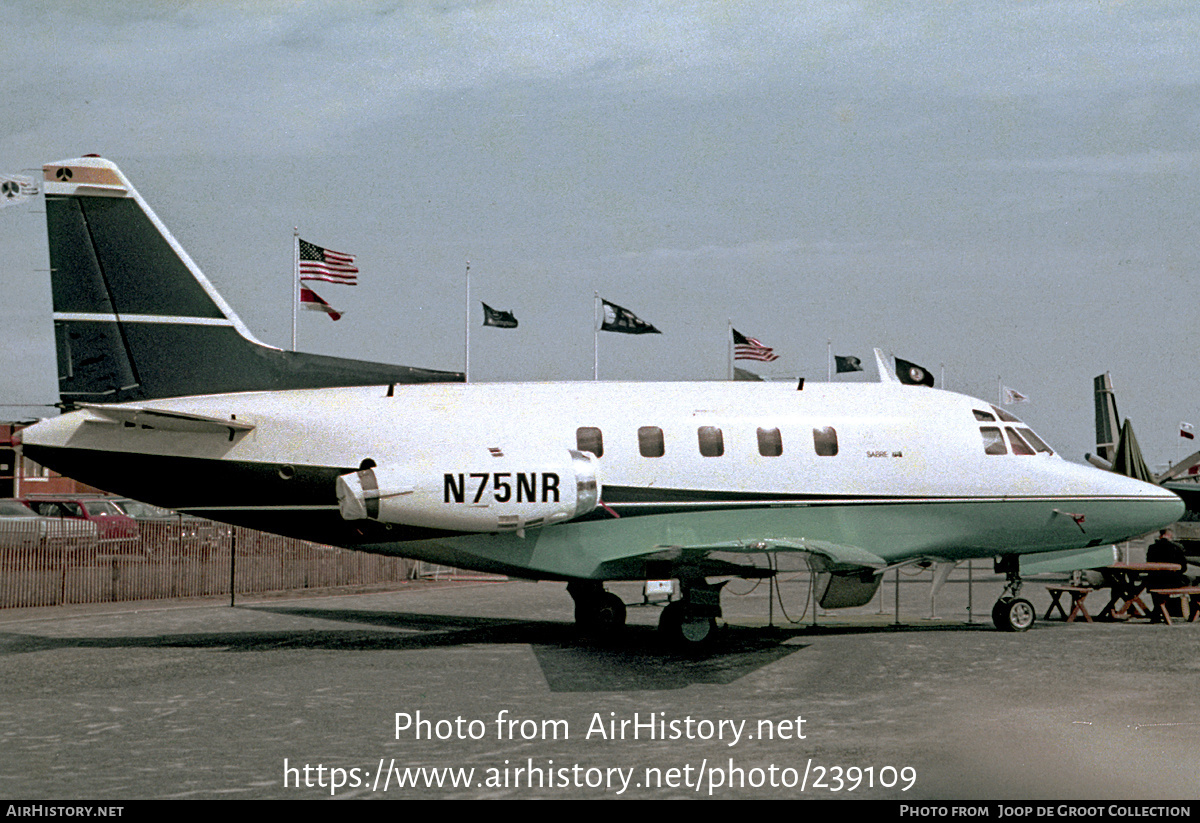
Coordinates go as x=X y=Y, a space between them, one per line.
x=689 y=623
x=597 y=611
x=1011 y=612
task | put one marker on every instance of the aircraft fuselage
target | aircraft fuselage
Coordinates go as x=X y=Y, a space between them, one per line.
x=496 y=476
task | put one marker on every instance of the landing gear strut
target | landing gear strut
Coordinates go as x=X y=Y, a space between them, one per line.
x=1011 y=612
x=596 y=611
x=691 y=623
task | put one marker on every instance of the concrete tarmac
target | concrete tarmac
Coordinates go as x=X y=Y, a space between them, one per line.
x=490 y=686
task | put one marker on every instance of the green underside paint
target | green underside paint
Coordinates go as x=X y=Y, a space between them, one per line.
x=618 y=549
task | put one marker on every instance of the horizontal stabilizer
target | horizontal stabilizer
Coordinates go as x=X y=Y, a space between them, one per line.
x=141 y=418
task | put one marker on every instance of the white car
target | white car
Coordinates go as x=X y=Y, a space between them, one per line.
x=23 y=528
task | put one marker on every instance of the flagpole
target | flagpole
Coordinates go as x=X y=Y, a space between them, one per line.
x=467 y=328
x=596 y=336
x=295 y=279
x=829 y=360
x=729 y=345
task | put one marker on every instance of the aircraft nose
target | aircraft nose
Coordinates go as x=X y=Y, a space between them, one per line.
x=1149 y=507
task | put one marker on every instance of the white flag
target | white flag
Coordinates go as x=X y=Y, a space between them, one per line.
x=16 y=189
x=1013 y=396
x=1187 y=430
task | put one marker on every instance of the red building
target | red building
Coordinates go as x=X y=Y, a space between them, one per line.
x=20 y=476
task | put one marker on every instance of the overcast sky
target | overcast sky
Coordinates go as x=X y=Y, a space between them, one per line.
x=1007 y=190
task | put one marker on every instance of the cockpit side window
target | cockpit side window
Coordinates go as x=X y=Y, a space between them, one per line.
x=982 y=415
x=1005 y=416
x=1035 y=441
x=993 y=441
x=1019 y=446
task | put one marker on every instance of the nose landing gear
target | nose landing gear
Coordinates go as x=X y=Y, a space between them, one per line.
x=1012 y=613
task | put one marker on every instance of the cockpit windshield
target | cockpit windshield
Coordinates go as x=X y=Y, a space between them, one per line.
x=1021 y=439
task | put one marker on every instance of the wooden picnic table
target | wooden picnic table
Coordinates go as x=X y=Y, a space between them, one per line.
x=1189 y=595
x=1078 y=595
x=1128 y=582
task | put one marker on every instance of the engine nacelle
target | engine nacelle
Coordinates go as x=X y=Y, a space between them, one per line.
x=474 y=494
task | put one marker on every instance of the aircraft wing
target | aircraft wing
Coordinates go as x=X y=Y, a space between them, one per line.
x=144 y=418
x=1183 y=468
x=831 y=557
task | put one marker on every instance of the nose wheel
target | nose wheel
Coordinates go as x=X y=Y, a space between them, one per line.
x=1013 y=614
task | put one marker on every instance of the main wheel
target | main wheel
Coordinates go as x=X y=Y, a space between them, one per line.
x=684 y=631
x=604 y=614
x=1013 y=614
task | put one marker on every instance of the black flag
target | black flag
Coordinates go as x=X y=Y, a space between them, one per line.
x=624 y=321
x=847 y=363
x=912 y=374
x=500 y=319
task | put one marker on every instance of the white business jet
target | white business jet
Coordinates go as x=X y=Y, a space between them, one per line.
x=579 y=482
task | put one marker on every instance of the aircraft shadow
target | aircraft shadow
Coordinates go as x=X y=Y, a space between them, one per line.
x=637 y=660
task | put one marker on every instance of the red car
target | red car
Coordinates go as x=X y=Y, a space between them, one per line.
x=118 y=532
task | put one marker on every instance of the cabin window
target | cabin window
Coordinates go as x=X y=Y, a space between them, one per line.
x=993 y=441
x=650 y=441
x=1035 y=441
x=825 y=441
x=712 y=442
x=590 y=439
x=1019 y=446
x=985 y=416
x=770 y=442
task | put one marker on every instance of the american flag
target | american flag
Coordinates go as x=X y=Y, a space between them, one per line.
x=312 y=301
x=747 y=348
x=317 y=263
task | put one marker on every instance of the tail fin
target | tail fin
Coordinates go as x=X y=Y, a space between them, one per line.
x=1128 y=459
x=135 y=319
x=1107 y=421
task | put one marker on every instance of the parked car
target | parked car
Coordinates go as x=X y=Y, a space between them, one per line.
x=23 y=528
x=117 y=532
x=161 y=527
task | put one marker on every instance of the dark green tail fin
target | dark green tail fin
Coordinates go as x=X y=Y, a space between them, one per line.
x=135 y=319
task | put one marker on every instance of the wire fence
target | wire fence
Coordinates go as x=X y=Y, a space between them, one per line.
x=180 y=557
